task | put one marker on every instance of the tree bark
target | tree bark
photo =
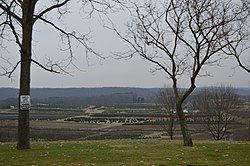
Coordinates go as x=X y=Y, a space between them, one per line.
x=23 y=115
x=23 y=141
x=184 y=129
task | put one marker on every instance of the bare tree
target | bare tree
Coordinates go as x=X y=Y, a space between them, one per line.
x=17 y=20
x=181 y=37
x=166 y=101
x=217 y=104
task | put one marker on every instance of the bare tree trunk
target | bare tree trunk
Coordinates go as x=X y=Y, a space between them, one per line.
x=23 y=130
x=23 y=118
x=184 y=129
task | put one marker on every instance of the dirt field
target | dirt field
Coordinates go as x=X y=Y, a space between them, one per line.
x=51 y=125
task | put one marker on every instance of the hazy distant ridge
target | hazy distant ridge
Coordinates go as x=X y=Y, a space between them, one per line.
x=41 y=93
x=75 y=92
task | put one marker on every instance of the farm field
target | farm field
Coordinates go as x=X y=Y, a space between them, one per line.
x=99 y=123
x=126 y=153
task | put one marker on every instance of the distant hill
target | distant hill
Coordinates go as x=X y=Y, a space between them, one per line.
x=42 y=93
x=6 y=93
x=75 y=92
x=79 y=97
x=239 y=91
x=243 y=91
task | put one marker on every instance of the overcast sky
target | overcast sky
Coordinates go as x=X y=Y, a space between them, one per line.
x=95 y=72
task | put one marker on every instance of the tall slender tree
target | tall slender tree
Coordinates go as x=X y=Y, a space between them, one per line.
x=182 y=37
x=17 y=20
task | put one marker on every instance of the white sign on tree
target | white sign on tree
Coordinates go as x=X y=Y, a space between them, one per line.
x=25 y=102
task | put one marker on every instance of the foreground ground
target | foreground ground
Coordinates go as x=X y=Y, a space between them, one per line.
x=127 y=153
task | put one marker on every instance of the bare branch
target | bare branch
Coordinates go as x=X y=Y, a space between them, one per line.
x=56 y=6
x=8 y=72
x=15 y=33
x=51 y=69
x=242 y=65
x=4 y=6
x=81 y=39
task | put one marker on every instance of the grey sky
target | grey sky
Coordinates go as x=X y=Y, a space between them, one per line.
x=110 y=72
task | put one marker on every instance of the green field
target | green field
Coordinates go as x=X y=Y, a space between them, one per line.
x=127 y=153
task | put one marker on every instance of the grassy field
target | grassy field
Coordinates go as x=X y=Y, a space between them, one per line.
x=126 y=153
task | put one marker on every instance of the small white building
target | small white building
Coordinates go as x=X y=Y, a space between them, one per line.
x=12 y=107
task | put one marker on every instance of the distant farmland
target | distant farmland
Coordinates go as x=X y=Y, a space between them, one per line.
x=133 y=121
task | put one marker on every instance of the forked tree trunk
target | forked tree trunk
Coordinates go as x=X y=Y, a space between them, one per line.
x=183 y=125
x=23 y=141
